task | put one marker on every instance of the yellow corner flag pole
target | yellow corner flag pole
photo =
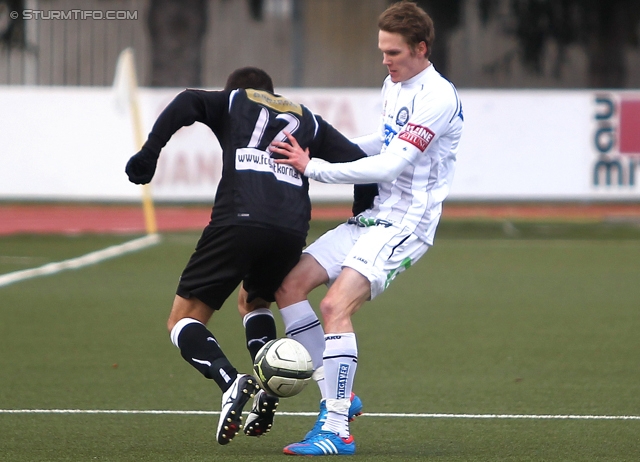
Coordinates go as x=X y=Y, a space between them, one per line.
x=127 y=70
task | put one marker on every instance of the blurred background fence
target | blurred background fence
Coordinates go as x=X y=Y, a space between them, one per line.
x=318 y=43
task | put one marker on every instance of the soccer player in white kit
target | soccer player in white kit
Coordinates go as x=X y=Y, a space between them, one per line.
x=412 y=158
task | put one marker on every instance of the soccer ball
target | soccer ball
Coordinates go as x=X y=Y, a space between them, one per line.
x=283 y=367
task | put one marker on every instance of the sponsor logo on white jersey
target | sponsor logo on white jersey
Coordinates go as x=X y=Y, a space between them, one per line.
x=417 y=135
x=389 y=134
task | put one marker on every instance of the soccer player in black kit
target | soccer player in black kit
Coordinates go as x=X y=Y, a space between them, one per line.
x=258 y=226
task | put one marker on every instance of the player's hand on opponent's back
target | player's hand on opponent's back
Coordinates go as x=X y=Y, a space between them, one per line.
x=141 y=167
x=290 y=154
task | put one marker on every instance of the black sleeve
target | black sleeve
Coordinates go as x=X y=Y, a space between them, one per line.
x=363 y=196
x=188 y=107
x=333 y=146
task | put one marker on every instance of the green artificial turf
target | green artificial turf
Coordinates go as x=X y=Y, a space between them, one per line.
x=516 y=319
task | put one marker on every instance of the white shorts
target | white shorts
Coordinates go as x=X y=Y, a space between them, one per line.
x=379 y=253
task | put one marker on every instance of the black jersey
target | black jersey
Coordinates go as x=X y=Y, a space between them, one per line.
x=253 y=189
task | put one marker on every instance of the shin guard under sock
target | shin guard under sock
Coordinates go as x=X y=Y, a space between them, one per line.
x=199 y=348
x=259 y=328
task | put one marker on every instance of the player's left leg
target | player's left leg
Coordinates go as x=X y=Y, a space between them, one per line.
x=300 y=320
x=200 y=348
x=212 y=273
x=378 y=256
x=340 y=359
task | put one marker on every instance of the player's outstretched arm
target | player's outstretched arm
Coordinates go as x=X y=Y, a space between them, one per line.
x=382 y=168
x=188 y=107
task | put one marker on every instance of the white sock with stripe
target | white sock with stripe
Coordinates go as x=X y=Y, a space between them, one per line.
x=302 y=324
x=340 y=363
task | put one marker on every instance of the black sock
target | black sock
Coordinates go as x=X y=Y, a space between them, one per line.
x=259 y=327
x=199 y=348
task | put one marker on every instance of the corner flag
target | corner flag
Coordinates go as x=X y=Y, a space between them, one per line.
x=125 y=84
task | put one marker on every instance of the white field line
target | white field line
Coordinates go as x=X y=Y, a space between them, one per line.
x=313 y=414
x=85 y=260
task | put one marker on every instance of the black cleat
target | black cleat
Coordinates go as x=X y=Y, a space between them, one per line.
x=260 y=419
x=233 y=400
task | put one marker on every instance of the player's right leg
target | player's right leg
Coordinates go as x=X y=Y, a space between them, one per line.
x=355 y=410
x=257 y=320
x=276 y=254
x=260 y=328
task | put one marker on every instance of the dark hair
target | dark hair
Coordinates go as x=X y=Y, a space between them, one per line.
x=249 y=77
x=411 y=22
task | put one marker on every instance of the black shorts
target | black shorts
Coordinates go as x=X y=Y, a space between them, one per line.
x=228 y=255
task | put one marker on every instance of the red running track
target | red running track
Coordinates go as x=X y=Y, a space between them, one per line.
x=125 y=219
x=128 y=219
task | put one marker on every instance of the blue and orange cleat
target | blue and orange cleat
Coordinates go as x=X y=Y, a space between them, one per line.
x=323 y=443
x=354 y=411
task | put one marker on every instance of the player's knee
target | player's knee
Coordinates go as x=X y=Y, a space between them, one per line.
x=281 y=294
x=177 y=313
x=171 y=323
x=188 y=308
x=289 y=292
x=331 y=310
x=173 y=319
x=245 y=307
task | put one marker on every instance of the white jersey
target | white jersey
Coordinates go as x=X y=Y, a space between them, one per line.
x=421 y=123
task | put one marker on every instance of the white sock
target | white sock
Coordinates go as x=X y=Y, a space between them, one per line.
x=340 y=363
x=302 y=324
x=318 y=376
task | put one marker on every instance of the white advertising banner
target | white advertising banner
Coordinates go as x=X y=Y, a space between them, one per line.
x=64 y=144
x=548 y=145
x=73 y=144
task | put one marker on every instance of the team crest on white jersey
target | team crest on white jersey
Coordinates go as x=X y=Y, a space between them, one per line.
x=402 y=117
